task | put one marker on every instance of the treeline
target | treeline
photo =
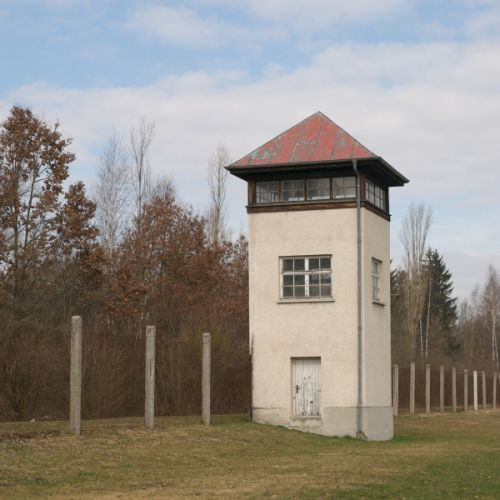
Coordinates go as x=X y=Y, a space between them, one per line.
x=124 y=254
x=429 y=325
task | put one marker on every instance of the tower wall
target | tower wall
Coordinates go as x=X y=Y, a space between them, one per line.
x=281 y=330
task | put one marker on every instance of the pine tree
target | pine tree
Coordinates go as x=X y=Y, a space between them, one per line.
x=440 y=314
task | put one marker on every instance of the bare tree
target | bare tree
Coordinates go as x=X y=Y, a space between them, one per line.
x=141 y=137
x=164 y=189
x=490 y=303
x=217 y=178
x=112 y=193
x=414 y=232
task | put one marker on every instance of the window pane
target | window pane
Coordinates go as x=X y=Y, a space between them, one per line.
x=299 y=264
x=314 y=290
x=267 y=192
x=287 y=264
x=344 y=187
x=350 y=192
x=326 y=278
x=326 y=290
x=314 y=279
x=293 y=190
x=313 y=264
x=300 y=291
x=287 y=291
x=325 y=263
x=300 y=279
x=318 y=189
x=288 y=279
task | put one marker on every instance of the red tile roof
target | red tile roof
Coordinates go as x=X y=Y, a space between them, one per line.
x=316 y=138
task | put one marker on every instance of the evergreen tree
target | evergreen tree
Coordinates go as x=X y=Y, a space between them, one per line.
x=440 y=314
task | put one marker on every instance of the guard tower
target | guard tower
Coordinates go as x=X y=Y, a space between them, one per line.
x=318 y=208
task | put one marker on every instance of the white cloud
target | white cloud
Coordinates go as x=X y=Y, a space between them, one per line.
x=314 y=14
x=430 y=109
x=184 y=26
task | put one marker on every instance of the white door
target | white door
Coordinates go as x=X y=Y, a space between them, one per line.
x=306 y=386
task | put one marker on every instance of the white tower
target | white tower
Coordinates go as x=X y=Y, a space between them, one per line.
x=318 y=205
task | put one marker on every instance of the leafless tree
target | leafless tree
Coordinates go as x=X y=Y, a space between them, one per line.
x=217 y=178
x=414 y=232
x=112 y=193
x=490 y=304
x=163 y=188
x=141 y=137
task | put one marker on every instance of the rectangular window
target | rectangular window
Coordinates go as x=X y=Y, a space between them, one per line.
x=306 y=277
x=375 y=195
x=267 y=192
x=344 y=187
x=293 y=190
x=376 y=266
x=318 y=189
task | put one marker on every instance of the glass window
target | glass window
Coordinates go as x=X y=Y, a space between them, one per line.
x=293 y=190
x=267 y=192
x=306 y=277
x=376 y=195
x=376 y=266
x=318 y=189
x=344 y=187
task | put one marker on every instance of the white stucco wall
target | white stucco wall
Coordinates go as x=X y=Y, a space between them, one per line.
x=280 y=331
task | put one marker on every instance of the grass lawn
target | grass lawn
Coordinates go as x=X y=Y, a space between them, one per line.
x=445 y=456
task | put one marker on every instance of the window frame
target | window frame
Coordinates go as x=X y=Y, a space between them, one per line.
x=307 y=273
x=376 y=278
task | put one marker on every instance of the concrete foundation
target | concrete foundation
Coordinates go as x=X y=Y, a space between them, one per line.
x=338 y=422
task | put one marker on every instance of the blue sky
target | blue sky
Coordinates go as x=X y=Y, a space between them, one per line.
x=417 y=82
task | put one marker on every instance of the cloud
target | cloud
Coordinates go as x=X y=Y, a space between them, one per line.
x=186 y=27
x=315 y=14
x=429 y=109
x=178 y=25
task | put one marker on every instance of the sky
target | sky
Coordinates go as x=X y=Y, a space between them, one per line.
x=416 y=82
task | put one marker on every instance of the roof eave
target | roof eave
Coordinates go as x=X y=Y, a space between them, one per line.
x=244 y=172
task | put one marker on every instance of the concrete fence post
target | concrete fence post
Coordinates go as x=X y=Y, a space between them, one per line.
x=75 y=382
x=395 y=390
x=412 y=387
x=149 y=399
x=453 y=388
x=483 y=388
x=474 y=388
x=427 y=388
x=494 y=390
x=441 y=389
x=466 y=390
x=205 y=379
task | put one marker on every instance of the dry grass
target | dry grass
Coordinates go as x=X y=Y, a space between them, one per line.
x=432 y=456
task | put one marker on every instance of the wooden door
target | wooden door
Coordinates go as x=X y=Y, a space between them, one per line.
x=306 y=386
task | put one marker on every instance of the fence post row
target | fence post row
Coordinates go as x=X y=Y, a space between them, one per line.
x=75 y=377
x=149 y=399
x=395 y=390
x=205 y=379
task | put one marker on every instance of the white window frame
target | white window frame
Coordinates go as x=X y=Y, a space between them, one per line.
x=376 y=272
x=307 y=273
